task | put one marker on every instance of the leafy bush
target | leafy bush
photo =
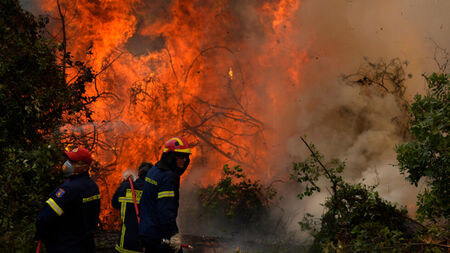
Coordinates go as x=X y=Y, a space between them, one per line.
x=33 y=101
x=428 y=155
x=243 y=202
x=28 y=176
x=241 y=206
x=354 y=213
x=356 y=219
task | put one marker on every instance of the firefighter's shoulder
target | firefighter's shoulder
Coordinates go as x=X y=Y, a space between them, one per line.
x=168 y=177
x=123 y=187
x=154 y=176
x=65 y=190
x=62 y=197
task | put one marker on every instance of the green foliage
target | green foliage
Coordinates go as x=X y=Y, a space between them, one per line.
x=309 y=171
x=239 y=205
x=243 y=202
x=28 y=176
x=428 y=155
x=33 y=101
x=354 y=213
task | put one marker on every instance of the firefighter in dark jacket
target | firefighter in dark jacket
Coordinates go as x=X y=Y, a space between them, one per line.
x=70 y=216
x=128 y=241
x=159 y=203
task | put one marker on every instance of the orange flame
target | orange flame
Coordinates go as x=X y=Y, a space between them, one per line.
x=200 y=69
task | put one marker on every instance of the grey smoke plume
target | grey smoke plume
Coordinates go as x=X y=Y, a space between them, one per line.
x=342 y=120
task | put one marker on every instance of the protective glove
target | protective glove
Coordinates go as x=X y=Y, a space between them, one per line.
x=175 y=242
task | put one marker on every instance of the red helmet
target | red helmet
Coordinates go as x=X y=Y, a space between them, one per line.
x=79 y=154
x=177 y=144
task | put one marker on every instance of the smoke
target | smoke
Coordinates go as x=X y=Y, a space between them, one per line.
x=349 y=122
x=287 y=58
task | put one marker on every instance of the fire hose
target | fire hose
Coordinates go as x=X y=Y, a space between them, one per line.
x=38 y=249
x=164 y=241
x=134 y=199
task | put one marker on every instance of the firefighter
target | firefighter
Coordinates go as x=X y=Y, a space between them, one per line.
x=159 y=203
x=70 y=216
x=128 y=241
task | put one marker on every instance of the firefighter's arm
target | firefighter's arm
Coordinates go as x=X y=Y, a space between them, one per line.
x=60 y=200
x=47 y=217
x=168 y=205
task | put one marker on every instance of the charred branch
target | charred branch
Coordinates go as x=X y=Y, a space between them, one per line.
x=245 y=116
x=207 y=120
x=171 y=66
x=389 y=76
x=383 y=78
x=63 y=29
x=204 y=138
x=440 y=56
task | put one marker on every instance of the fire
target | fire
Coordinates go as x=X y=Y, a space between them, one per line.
x=200 y=69
x=230 y=73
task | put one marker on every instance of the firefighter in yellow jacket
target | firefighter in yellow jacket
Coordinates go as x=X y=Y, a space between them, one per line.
x=128 y=241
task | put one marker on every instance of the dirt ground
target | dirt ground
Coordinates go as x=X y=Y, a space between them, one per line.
x=106 y=241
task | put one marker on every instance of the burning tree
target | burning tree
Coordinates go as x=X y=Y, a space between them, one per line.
x=220 y=123
x=188 y=82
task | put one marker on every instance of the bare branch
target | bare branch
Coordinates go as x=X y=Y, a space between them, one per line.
x=108 y=64
x=64 y=45
x=171 y=65
x=321 y=164
x=441 y=56
x=201 y=54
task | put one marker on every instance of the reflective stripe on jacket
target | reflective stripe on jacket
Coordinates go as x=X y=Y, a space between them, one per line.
x=128 y=241
x=159 y=205
x=70 y=216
